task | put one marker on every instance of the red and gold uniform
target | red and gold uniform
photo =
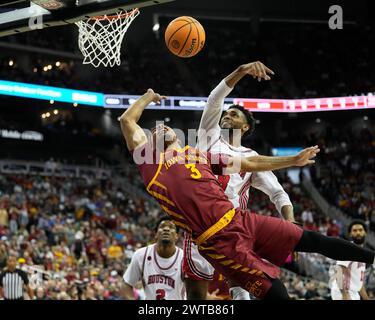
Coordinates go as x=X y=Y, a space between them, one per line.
x=219 y=283
x=235 y=242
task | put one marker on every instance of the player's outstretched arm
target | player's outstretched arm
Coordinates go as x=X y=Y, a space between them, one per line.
x=133 y=133
x=265 y=163
x=255 y=69
x=212 y=112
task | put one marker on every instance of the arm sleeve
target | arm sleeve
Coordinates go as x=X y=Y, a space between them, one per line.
x=267 y=182
x=133 y=273
x=218 y=162
x=209 y=129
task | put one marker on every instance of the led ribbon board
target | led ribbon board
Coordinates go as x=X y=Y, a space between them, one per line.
x=33 y=91
x=113 y=101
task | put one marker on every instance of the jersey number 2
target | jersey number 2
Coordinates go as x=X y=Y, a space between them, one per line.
x=160 y=294
x=195 y=174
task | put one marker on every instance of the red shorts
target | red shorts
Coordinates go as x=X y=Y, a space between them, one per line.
x=240 y=250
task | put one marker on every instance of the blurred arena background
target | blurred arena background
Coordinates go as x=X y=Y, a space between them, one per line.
x=71 y=201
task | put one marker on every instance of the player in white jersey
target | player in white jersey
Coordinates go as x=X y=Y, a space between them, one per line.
x=158 y=266
x=347 y=279
x=213 y=138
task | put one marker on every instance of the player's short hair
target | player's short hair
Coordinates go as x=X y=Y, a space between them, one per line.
x=249 y=118
x=354 y=222
x=164 y=218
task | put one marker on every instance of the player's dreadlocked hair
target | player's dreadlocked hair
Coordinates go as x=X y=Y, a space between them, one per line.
x=249 y=117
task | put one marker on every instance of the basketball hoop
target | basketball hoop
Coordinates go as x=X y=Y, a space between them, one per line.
x=100 y=37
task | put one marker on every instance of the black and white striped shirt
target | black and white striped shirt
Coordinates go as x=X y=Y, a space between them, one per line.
x=12 y=283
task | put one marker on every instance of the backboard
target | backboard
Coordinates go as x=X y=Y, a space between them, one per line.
x=18 y=16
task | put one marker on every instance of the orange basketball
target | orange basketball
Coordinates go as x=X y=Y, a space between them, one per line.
x=185 y=37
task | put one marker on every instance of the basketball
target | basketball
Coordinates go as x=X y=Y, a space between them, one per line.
x=185 y=37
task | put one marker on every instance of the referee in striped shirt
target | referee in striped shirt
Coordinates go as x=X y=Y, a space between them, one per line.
x=13 y=281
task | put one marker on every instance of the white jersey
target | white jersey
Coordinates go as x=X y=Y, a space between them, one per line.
x=236 y=185
x=352 y=279
x=162 y=278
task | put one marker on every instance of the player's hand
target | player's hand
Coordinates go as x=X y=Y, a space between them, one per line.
x=257 y=70
x=213 y=295
x=155 y=97
x=306 y=155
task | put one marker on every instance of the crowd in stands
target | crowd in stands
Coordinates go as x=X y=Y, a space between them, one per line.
x=232 y=42
x=65 y=39
x=346 y=176
x=83 y=233
x=324 y=70
x=302 y=288
x=305 y=210
x=136 y=61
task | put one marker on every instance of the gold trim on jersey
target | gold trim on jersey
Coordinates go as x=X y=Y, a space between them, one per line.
x=226 y=262
x=206 y=248
x=223 y=222
x=153 y=181
x=157 y=183
x=216 y=256
x=182 y=225
x=157 y=172
x=161 y=197
x=183 y=149
x=172 y=213
x=229 y=263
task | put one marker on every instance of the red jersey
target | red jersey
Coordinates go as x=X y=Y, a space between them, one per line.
x=219 y=282
x=184 y=183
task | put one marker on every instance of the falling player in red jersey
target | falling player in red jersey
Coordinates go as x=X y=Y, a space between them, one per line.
x=182 y=180
x=214 y=124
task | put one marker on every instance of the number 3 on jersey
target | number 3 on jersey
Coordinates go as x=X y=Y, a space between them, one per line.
x=195 y=172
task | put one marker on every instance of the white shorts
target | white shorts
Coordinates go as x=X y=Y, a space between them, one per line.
x=336 y=295
x=195 y=267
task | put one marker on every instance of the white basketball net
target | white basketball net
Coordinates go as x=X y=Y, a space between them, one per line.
x=100 y=38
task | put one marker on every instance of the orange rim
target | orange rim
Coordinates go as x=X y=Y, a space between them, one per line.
x=115 y=16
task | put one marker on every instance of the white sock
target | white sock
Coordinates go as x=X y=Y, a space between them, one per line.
x=237 y=293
